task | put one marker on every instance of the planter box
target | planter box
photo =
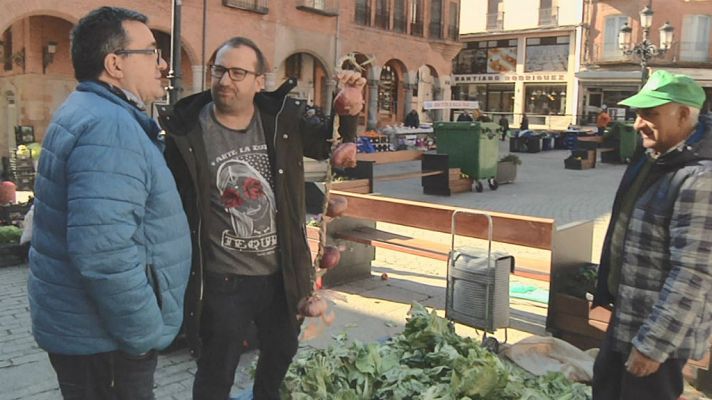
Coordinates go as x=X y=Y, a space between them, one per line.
x=572 y=319
x=13 y=254
x=506 y=172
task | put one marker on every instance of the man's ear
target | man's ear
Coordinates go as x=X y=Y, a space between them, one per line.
x=112 y=66
x=260 y=81
x=684 y=114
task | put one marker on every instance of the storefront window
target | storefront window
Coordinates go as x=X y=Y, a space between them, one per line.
x=595 y=98
x=497 y=98
x=387 y=90
x=547 y=54
x=489 y=57
x=545 y=99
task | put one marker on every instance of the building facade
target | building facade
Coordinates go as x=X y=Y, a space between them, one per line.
x=608 y=76
x=404 y=46
x=520 y=57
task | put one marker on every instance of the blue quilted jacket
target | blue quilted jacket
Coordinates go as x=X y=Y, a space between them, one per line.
x=111 y=247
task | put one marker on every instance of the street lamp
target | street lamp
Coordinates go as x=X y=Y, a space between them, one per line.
x=645 y=50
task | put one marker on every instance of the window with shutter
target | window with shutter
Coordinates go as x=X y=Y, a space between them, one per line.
x=695 y=42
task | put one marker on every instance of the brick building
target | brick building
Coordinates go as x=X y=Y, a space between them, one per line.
x=608 y=76
x=410 y=44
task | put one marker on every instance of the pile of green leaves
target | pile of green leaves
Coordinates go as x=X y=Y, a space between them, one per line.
x=10 y=234
x=428 y=361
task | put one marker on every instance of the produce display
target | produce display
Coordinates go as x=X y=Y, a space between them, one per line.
x=427 y=361
x=10 y=234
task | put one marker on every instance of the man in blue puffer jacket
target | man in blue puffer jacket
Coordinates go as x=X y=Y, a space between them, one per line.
x=111 y=248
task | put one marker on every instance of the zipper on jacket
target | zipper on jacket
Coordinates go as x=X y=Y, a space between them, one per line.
x=276 y=127
x=276 y=157
x=200 y=254
x=276 y=130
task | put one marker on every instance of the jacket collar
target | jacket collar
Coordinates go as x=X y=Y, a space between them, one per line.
x=118 y=97
x=698 y=146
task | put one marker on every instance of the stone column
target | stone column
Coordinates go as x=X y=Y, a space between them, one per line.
x=372 y=104
x=330 y=91
x=408 y=97
x=437 y=95
x=198 y=78
x=270 y=81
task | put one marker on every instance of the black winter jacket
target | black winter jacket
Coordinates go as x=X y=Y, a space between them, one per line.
x=289 y=137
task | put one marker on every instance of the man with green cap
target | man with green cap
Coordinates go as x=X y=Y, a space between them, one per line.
x=656 y=263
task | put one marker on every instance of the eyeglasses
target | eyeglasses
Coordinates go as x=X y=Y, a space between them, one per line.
x=157 y=52
x=236 y=74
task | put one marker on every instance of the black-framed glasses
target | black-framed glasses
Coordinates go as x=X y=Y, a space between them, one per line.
x=236 y=74
x=157 y=52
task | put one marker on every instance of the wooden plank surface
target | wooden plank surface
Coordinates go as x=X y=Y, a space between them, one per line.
x=405 y=175
x=508 y=228
x=526 y=267
x=392 y=241
x=349 y=184
x=389 y=157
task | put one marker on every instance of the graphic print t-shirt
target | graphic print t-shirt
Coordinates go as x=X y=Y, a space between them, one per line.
x=242 y=230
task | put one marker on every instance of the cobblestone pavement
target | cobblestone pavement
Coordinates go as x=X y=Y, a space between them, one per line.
x=368 y=309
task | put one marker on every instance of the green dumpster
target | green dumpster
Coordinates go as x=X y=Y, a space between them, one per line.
x=471 y=146
x=629 y=141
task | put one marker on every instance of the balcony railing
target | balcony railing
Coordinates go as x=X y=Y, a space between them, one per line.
x=549 y=16
x=383 y=21
x=258 y=6
x=435 y=30
x=495 y=21
x=399 y=24
x=693 y=52
x=416 y=28
x=363 y=14
x=453 y=32
x=323 y=7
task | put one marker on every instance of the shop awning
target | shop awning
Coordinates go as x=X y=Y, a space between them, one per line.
x=599 y=74
x=701 y=75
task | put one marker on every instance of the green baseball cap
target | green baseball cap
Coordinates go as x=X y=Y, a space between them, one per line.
x=664 y=87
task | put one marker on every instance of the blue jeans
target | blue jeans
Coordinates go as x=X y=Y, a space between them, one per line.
x=105 y=376
x=231 y=304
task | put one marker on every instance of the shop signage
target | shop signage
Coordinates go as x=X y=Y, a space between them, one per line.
x=526 y=77
x=446 y=104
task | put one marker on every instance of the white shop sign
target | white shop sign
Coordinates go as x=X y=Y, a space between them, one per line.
x=447 y=104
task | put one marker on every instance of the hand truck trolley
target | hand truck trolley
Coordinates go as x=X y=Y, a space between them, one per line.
x=478 y=285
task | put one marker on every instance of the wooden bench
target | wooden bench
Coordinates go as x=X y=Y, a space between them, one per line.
x=436 y=176
x=570 y=244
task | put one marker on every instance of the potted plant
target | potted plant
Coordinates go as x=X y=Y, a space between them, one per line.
x=507 y=168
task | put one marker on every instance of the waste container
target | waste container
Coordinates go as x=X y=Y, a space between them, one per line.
x=471 y=146
x=547 y=142
x=629 y=140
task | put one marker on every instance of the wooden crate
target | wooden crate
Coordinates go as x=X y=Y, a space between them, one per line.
x=456 y=183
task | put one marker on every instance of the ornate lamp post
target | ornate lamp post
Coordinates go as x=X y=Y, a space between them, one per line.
x=645 y=50
x=174 y=73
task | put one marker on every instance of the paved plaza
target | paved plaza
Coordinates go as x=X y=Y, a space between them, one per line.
x=368 y=309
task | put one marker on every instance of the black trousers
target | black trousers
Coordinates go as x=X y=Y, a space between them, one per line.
x=231 y=303
x=611 y=381
x=105 y=376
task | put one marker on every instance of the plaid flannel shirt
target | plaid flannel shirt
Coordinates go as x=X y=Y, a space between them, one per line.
x=663 y=305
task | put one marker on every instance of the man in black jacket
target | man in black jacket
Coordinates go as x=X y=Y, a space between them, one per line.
x=236 y=153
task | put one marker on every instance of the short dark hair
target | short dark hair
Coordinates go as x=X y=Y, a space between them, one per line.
x=97 y=34
x=239 y=41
